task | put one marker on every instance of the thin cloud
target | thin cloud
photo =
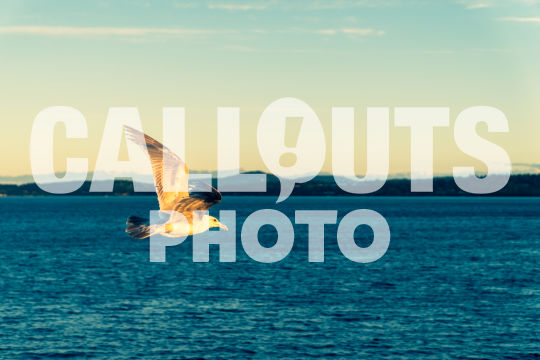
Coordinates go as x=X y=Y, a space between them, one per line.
x=102 y=31
x=529 y=2
x=151 y=33
x=521 y=19
x=303 y=5
x=358 y=31
x=346 y=4
x=249 y=49
x=475 y=4
x=478 y=6
x=238 y=7
x=350 y=31
x=482 y=4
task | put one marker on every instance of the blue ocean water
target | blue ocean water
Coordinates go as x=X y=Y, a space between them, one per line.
x=459 y=280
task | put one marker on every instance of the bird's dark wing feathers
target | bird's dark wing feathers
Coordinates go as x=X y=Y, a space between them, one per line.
x=198 y=200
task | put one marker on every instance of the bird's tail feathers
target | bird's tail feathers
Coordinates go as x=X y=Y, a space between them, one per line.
x=138 y=228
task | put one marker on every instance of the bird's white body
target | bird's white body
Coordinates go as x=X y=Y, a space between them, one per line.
x=178 y=226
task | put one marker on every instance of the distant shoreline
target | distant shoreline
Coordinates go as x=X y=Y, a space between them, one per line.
x=526 y=185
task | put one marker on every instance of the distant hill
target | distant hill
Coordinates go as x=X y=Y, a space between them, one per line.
x=16 y=180
x=518 y=185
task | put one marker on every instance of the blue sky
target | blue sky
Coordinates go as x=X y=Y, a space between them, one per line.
x=203 y=54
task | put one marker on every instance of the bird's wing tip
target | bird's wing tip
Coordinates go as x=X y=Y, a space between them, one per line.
x=129 y=129
x=134 y=134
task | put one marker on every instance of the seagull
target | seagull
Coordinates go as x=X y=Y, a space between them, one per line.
x=179 y=205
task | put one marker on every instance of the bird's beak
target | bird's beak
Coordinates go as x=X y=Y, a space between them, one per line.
x=224 y=227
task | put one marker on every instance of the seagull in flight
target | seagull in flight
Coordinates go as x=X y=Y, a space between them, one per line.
x=179 y=205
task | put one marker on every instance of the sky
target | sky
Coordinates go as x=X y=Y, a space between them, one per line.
x=201 y=55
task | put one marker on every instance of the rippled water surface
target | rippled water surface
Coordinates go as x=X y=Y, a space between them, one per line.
x=459 y=280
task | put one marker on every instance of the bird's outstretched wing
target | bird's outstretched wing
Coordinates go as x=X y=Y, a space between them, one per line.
x=166 y=166
x=198 y=199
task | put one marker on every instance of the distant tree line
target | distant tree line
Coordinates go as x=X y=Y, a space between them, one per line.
x=518 y=185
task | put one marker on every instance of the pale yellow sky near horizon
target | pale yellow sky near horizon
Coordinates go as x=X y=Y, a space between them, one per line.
x=400 y=54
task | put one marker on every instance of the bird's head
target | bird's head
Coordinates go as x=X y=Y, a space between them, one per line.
x=215 y=223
